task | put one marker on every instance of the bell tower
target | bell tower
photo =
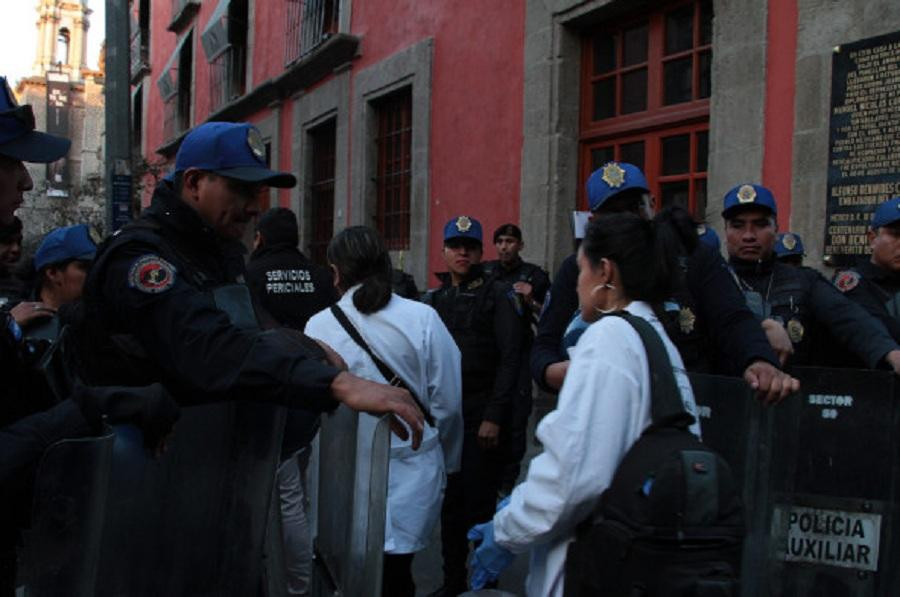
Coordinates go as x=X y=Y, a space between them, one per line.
x=62 y=38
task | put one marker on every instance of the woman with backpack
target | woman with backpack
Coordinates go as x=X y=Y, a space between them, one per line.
x=380 y=336
x=626 y=264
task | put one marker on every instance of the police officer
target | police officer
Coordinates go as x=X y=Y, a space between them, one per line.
x=528 y=285
x=710 y=304
x=790 y=300
x=488 y=331
x=287 y=285
x=875 y=283
x=789 y=248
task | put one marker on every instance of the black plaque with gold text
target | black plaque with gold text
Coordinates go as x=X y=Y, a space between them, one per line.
x=864 y=142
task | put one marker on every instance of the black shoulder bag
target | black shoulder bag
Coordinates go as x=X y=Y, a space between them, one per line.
x=387 y=372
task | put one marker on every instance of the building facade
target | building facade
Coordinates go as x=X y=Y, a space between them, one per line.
x=404 y=114
x=67 y=99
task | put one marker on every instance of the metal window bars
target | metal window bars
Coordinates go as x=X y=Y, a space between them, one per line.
x=309 y=24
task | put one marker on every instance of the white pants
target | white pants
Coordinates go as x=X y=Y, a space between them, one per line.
x=294 y=522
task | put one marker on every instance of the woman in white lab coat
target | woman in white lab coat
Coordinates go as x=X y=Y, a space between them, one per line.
x=410 y=338
x=625 y=263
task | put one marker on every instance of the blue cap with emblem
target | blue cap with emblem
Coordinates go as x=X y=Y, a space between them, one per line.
x=887 y=213
x=745 y=196
x=612 y=179
x=709 y=237
x=463 y=227
x=18 y=139
x=788 y=243
x=231 y=149
x=65 y=244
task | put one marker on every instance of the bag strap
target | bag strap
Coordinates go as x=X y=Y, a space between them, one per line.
x=393 y=379
x=666 y=406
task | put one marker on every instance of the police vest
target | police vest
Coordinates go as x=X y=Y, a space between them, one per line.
x=109 y=358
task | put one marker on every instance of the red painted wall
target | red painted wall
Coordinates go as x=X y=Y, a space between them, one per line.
x=476 y=112
x=477 y=91
x=781 y=58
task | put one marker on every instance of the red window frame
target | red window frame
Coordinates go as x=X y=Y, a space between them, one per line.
x=659 y=120
x=323 y=142
x=393 y=178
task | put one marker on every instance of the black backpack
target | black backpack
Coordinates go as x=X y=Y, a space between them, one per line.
x=671 y=523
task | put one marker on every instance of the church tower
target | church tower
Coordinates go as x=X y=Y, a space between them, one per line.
x=62 y=38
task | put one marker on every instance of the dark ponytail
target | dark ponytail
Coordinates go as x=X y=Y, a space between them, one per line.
x=360 y=257
x=646 y=253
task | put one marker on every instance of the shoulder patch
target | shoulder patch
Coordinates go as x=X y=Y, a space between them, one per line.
x=846 y=281
x=151 y=274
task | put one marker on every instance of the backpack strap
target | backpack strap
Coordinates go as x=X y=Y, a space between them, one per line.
x=386 y=372
x=666 y=406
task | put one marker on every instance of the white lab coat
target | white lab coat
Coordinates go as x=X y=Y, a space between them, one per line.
x=413 y=341
x=603 y=407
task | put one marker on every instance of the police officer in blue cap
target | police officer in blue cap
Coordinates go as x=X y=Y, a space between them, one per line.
x=795 y=302
x=708 y=318
x=874 y=283
x=789 y=248
x=483 y=321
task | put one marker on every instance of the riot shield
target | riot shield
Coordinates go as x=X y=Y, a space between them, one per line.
x=63 y=545
x=832 y=508
x=193 y=522
x=354 y=453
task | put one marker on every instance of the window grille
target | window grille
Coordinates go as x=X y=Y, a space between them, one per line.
x=393 y=175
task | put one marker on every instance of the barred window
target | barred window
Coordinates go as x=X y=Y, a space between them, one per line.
x=309 y=23
x=394 y=175
x=321 y=189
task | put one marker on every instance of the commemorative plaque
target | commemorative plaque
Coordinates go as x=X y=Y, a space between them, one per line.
x=864 y=152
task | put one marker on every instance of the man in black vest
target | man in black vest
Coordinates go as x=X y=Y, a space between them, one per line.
x=874 y=284
x=483 y=321
x=528 y=285
x=792 y=302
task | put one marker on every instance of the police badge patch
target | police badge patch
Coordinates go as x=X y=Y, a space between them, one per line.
x=255 y=142
x=789 y=241
x=795 y=331
x=686 y=320
x=846 y=281
x=746 y=194
x=151 y=274
x=613 y=175
x=463 y=223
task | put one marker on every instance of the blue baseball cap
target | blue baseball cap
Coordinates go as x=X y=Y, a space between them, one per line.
x=463 y=227
x=612 y=179
x=65 y=244
x=745 y=196
x=788 y=243
x=18 y=139
x=709 y=237
x=887 y=213
x=231 y=149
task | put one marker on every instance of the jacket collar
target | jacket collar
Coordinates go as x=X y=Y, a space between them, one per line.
x=476 y=271
x=743 y=267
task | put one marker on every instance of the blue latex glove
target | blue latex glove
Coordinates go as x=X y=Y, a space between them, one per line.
x=489 y=559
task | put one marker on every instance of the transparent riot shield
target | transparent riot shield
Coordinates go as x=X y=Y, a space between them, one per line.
x=193 y=522
x=351 y=504
x=833 y=502
x=63 y=545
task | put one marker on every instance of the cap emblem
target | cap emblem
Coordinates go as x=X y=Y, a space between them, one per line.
x=95 y=235
x=613 y=175
x=255 y=141
x=701 y=230
x=463 y=223
x=795 y=331
x=789 y=241
x=746 y=194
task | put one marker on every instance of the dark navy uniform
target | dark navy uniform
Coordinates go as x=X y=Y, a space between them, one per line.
x=522 y=271
x=875 y=289
x=488 y=331
x=707 y=317
x=287 y=285
x=802 y=301
x=152 y=316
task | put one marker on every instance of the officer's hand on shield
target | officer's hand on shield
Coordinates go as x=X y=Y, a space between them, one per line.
x=377 y=399
x=779 y=340
x=771 y=385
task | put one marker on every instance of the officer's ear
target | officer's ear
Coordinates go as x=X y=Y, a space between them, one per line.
x=190 y=183
x=337 y=277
